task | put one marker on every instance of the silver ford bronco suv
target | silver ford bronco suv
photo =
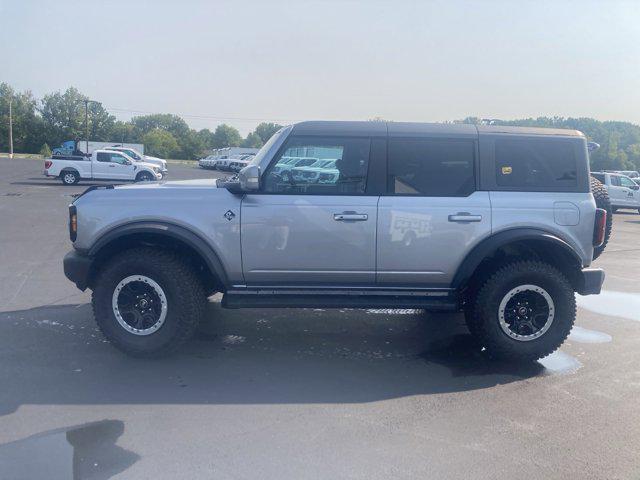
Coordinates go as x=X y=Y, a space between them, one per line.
x=497 y=222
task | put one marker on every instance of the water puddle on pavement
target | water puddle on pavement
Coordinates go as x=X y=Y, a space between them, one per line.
x=613 y=304
x=584 y=335
x=559 y=363
x=85 y=451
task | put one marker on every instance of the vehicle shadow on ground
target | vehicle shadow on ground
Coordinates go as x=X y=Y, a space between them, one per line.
x=55 y=355
x=57 y=183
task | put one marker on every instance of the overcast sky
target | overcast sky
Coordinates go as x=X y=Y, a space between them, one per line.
x=242 y=62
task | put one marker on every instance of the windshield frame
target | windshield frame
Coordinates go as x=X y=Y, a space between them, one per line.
x=267 y=151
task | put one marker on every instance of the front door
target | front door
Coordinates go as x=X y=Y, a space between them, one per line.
x=431 y=214
x=316 y=229
x=112 y=166
x=630 y=191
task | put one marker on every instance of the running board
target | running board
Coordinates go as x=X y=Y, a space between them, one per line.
x=437 y=300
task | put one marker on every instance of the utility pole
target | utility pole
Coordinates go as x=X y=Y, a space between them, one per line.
x=86 y=122
x=86 y=125
x=10 y=129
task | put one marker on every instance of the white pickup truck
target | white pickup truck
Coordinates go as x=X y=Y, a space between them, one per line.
x=140 y=157
x=623 y=192
x=102 y=165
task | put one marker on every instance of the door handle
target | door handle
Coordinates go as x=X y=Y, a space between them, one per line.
x=464 y=217
x=350 y=217
x=111 y=166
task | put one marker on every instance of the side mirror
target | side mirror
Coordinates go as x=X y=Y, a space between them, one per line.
x=635 y=187
x=249 y=178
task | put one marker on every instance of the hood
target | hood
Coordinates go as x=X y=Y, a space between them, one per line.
x=155 y=161
x=196 y=183
x=148 y=165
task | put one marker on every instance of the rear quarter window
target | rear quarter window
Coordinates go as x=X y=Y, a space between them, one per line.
x=531 y=163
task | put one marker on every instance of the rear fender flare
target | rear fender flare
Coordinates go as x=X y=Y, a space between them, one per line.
x=490 y=245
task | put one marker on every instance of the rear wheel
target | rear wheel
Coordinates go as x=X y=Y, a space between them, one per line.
x=148 y=302
x=70 y=177
x=602 y=201
x=524 y=311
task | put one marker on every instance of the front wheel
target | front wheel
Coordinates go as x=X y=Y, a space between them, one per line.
x=524 y=311
x=148 y=302
x=144 y=177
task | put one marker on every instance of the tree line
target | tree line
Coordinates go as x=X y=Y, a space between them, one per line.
x=39 y=124
x=619 y=141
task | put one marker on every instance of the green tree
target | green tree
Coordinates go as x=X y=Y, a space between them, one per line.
x=125 y=132
x=161 y=143
x=28 y=133
x=253 y=140
x=45 y=151
x=226 y=136
x=266 y=129
x=64 y=117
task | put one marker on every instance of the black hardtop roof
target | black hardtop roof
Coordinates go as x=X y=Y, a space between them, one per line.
x=403 y=129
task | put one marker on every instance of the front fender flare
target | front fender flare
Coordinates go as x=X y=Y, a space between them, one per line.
x=193 y=240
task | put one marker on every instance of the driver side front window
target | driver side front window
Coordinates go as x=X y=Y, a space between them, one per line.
x=115 y=158
x=320 y=166
x=627 y=182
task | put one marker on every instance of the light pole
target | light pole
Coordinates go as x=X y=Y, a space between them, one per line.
x=86 y=122
x=10 y=129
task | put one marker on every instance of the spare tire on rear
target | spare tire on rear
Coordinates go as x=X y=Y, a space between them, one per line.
x=602 y=201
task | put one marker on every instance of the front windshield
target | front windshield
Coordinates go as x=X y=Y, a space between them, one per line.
x=267 y=146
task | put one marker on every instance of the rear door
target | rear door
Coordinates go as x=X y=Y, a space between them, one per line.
x=431 y=214
x=316 y=231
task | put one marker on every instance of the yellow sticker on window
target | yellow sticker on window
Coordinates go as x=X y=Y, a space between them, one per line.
x=506 y=170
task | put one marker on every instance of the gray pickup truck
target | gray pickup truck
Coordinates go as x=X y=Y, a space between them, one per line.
x=497 y=222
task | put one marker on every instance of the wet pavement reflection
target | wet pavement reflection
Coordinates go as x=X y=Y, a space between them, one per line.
x=81 y=452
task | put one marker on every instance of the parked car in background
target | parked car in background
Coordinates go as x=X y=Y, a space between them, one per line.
x=219 y=158
x=140 y=157
x=84 y=148
x=207 y=162
x=313 y=171
x=623 y=191
x=237 y=164
x=629 y=173
x=101 y=165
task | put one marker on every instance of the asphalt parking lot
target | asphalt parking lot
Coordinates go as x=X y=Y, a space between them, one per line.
x=290 y=394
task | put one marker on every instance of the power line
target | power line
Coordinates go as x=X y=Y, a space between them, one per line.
x=201 y=117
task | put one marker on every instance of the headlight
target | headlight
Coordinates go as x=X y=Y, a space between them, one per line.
x=156 y=169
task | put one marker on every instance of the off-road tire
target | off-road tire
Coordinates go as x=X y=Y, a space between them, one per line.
x=602 y=201
x=483 y=317
x=66 y=175
x=185 y=294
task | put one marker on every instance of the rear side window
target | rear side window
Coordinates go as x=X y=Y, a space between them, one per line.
x=615 y=180
x=535 y=162
x=431 y=167
x=103 y=157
